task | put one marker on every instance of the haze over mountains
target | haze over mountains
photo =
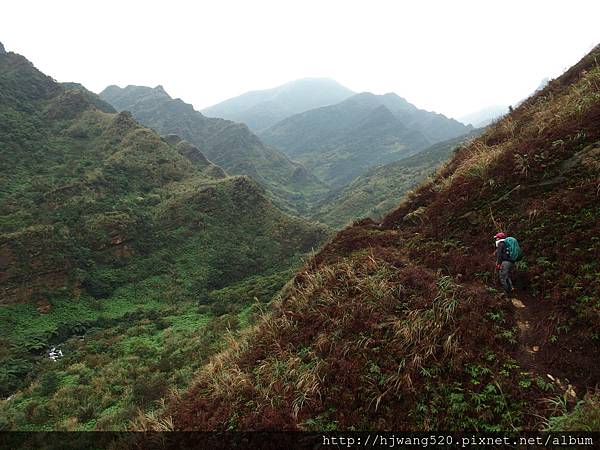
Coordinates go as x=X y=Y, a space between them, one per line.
x=485 y=116
x=335 y=143
x=261 y=109
x=380 y=189
x=341 y=141
x=155 y=248
x=229 y=144
x=400 y=325
x=105 y=228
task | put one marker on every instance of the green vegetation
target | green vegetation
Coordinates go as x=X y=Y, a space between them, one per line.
x=138 y=244
x=399 y=325
x=378 y=190
x=151 y=269
x=382 y=136
x=340 y=142
x=260 y=288
x=230 y=145
x=584 y=416
x=114 y=373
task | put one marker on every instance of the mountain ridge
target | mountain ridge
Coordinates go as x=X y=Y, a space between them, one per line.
x=115 y=139
x=228 y=144
x=106 y=231
x=484 y=116
x=260 y=109
x=339 y=142
x=380 y=189
x=401 y=325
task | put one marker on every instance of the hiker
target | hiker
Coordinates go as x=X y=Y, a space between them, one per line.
x=507 y=253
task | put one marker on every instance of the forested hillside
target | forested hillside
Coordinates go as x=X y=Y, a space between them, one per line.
x=400 y=324
x=230 y=145
x=340 y=142
x=124 y=250
x=154 y=282
x=380 y=189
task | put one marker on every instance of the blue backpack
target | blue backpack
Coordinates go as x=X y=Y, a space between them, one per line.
x=513 y=248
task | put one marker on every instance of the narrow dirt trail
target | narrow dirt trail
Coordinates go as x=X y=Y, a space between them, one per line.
x=533 y=355
x=531 y=337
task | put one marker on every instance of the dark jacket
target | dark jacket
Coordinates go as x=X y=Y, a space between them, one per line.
x=502 y=252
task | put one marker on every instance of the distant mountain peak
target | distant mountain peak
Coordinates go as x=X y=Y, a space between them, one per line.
x=339 y=142
x=357 y=274
x=260 y=109
x=542 y=84
x=2 y=50
x=365 y=94
x=227 y=144
x=484 y=116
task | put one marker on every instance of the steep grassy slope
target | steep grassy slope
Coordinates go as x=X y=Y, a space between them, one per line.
x=104 y=226
x=380 y=189
x=399 y=325
x=262 y=109
x=228 y=144
x=341 y=141
x=91 y=97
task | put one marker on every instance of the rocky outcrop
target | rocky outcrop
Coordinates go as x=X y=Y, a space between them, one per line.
x=32 y=263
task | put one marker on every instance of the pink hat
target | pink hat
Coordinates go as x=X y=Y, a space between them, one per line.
x=500 y=235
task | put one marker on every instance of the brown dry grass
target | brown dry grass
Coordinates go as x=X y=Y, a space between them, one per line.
x=351 y=340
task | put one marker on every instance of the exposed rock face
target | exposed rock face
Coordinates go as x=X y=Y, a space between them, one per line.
x=86 y=193
x=30 y=263
x=2 y=51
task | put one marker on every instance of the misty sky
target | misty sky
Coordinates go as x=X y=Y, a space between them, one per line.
x=452 y=57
